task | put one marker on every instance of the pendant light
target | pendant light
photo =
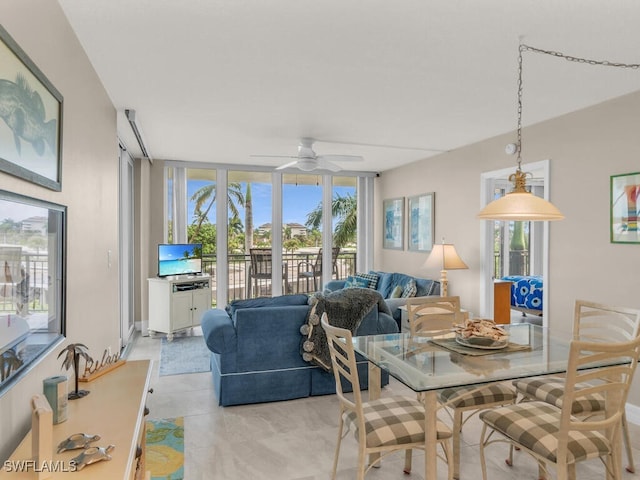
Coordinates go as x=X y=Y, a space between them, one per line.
x=520 y=204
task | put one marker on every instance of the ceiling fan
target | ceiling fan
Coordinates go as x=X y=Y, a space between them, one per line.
x=307 y=160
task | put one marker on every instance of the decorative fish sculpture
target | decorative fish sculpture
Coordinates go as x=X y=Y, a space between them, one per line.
x=23 y=111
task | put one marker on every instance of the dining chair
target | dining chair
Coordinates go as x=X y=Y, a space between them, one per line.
x=433 y=317
x=313 y=270
x=596 y=323
x=260 y=269
x=553 y=435
x=381 y=426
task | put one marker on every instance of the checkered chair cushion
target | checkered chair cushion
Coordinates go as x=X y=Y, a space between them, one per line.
x=463 y=397
x=393 y=421
x=534 y=425
x=551 y=390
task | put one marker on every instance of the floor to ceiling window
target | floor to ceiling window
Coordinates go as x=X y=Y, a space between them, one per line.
x=275 y=231
x=344 y=208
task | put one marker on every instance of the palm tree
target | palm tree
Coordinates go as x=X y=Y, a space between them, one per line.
x=73 y=353
x=248 y=219
x=345 y=209
x=207 y=196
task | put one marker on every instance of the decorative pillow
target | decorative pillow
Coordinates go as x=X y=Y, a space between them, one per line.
x=372 y=278
x=434 y=289
x=410 y=289
x=396 y=292
x=354 y=282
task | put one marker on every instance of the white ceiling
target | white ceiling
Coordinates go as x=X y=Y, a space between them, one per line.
x=393 y=81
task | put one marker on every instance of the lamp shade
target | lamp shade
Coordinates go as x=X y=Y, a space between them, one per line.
x=443 y=256
x=520 y=206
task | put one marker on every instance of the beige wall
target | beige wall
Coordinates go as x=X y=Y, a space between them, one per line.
x=585 y=148
x=89 y=190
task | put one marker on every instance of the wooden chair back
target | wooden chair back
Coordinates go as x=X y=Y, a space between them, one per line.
x=433 y=316
x=611 y=382
x=595 y=322
x=345 y=371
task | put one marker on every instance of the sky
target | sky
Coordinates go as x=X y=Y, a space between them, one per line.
x=297 y=200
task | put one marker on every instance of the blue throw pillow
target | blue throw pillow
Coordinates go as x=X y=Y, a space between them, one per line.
x=356 y=282
x=281 y=301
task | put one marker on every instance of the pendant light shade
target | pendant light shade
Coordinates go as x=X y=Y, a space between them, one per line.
x=525 y=206
x=520 y=205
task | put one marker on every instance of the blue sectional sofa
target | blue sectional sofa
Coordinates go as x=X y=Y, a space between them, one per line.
x=256 y=355
x=385 y=283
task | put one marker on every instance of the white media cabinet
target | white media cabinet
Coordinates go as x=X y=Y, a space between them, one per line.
x=177 y=303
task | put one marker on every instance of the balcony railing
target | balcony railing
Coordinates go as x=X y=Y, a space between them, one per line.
x=518 y=263
x=241 y=284
x=27 y=293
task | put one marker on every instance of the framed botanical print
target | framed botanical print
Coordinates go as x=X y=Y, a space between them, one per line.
x=420 y=222
x=393 y=224
x=625 y=207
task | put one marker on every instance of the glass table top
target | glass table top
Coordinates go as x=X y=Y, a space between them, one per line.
x=422 y=365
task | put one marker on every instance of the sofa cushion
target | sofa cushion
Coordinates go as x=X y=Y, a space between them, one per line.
x=384 y=283
x=281 y=301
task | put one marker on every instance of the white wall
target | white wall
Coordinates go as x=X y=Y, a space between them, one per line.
x=585 y=148
x=89 y=190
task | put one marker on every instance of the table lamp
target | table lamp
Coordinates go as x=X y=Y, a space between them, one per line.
x=444 y=256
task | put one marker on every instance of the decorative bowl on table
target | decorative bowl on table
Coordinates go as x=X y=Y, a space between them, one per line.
x=481 y=333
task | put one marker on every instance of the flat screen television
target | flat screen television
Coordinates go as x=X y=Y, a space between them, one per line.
x=179 y=259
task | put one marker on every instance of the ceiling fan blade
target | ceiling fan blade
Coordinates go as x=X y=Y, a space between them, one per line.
x=324 y=164
x=287 y=165
x=273 y=156
x=341 y=158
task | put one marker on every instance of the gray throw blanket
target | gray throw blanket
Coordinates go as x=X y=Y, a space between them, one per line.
x=345 y=309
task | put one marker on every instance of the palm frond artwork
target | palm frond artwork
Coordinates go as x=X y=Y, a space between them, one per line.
x=72 y=354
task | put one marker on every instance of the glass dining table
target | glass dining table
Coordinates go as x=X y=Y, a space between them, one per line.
x=427 y=365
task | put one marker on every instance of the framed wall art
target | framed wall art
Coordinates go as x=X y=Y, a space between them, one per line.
x=420 y=222
x=393 y=224
x=625 y=207
x=30 y=118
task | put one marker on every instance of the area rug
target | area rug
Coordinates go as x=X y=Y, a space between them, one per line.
x=184 y=355
x=165 y=448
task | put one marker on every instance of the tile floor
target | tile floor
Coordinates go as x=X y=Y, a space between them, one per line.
x=294 y=440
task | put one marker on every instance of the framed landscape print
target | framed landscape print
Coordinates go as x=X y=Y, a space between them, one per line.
x=30 y=118
x=421 y=224
x=625 y=207
x=393 y=224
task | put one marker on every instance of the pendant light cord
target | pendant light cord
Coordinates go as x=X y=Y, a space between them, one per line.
x=569 y=58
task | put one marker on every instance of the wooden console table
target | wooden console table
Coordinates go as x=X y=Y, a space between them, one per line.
x=115 y=410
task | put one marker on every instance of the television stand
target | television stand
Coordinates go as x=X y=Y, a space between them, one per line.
x=177 y=304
